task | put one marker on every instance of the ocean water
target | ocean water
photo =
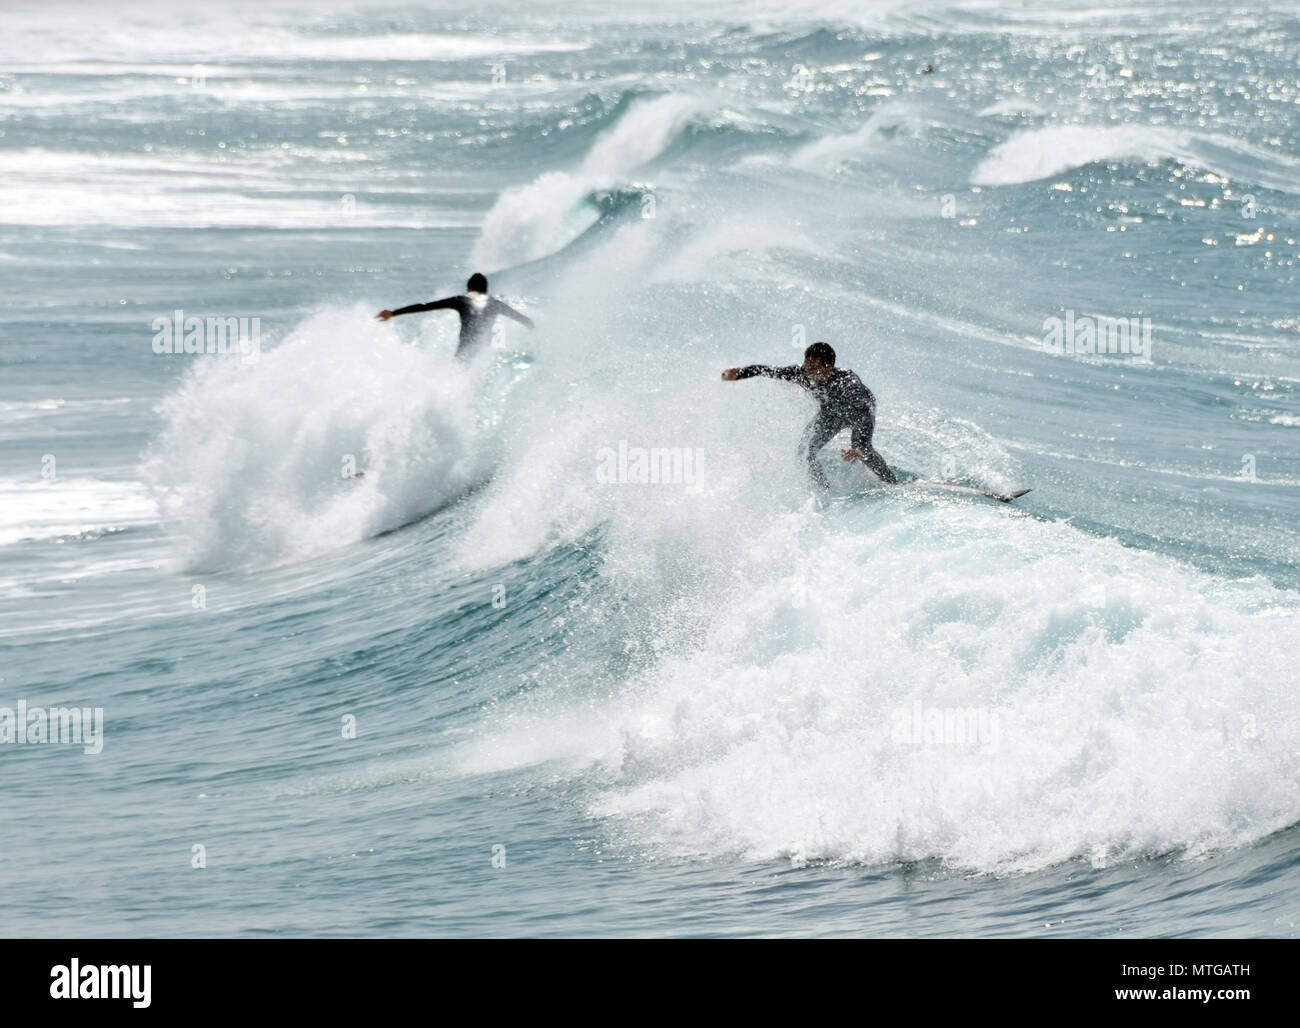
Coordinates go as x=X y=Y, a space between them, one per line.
x=483 y=689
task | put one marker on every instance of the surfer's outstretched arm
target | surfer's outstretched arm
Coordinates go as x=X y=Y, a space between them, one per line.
x=790 y=374
x=501 y=307
x=447 y=303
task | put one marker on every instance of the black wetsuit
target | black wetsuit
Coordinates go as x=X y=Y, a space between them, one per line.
x=842 y=400
x=476 y=319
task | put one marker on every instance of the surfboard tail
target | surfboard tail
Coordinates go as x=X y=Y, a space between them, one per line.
x=1008 y=497
x=964 y=490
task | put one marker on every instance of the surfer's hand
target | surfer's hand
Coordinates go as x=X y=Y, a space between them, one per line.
x=384 y=315
x=851 y=455
x=730 y=375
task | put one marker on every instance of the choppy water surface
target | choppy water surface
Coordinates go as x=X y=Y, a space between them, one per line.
x=703 y=707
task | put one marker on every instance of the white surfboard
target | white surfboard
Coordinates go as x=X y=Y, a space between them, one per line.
x=965 y=490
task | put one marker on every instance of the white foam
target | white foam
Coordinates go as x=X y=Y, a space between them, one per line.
x=1140 y=708
x=828 y=153
x=222 y=34
x=36 y=508
x=45 y=187
x=542 y=217
x=1010 y=107
x=249 y=465
x=1042 y=152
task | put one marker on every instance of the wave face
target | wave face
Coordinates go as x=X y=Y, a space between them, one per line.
x=674 y=684
x=536 y=220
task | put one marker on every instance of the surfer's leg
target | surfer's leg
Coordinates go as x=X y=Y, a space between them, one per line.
x=876 y=463
x=863 y=429
x=819 y=432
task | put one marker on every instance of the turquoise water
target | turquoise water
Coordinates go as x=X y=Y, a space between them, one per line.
x=711 y=706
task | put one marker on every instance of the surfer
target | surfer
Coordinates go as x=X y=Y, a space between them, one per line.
x=478 y=312
x=842 y=401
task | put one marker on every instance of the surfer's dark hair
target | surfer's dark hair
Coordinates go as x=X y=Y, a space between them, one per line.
x=821 y=353
x=477 y=283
